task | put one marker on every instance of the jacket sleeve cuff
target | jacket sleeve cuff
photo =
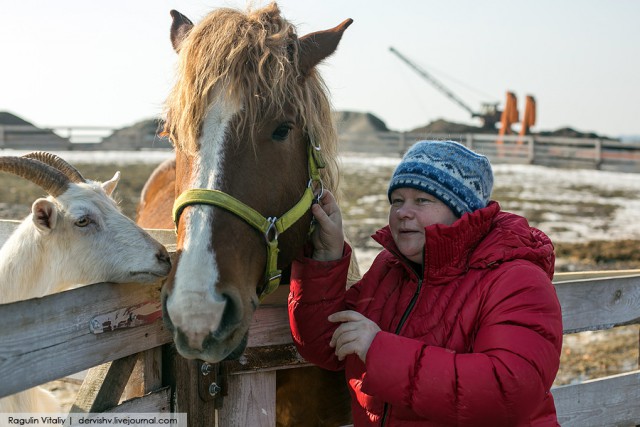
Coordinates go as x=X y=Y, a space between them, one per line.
x=314 y=281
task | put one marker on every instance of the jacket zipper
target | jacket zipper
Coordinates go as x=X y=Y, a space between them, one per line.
x=405 y=315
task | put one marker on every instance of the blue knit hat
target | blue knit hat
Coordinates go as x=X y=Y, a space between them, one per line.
x=457 y=176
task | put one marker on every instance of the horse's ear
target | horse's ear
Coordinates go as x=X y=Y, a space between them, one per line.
x=315 y=47
x=180 y=27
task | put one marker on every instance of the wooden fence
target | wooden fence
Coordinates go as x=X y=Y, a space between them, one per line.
x=115 y=330
x=588 y=153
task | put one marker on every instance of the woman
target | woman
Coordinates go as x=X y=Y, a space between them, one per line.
x=455 y=323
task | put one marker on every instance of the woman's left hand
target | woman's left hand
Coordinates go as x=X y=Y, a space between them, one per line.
x=354 y=335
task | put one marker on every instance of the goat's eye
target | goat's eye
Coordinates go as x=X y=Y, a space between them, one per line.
x=83 y=222
x=282 y=132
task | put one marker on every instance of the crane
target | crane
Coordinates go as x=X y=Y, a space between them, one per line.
x=488 y=113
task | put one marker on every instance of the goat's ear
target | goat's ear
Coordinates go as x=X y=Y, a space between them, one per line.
x=44 y=215
x=110 y=185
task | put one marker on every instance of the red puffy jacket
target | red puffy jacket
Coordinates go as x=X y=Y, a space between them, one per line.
x=476 y=342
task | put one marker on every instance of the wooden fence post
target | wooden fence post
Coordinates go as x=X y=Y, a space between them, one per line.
x=103 y=386
x=147 y=374
x=598 y=153
x=183 y=376
x=251 y=401
x=402 y=143
x=532 y=150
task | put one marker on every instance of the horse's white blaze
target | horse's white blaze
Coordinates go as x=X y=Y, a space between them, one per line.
x=195 y=306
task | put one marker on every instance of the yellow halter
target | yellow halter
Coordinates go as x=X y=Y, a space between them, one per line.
x=271 y=227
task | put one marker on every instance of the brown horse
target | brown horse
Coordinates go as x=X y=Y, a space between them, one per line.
x=251 y=124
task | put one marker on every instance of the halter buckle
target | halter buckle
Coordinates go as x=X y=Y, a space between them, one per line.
x=318 y=183
x=271 y=233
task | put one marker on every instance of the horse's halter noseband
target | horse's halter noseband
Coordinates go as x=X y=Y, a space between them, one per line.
x=271 y=227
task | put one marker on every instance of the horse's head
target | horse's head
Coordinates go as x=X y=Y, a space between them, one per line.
x=246 y=115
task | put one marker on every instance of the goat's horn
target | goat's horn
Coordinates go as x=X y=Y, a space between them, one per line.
x=59 y=163
x=53 y=181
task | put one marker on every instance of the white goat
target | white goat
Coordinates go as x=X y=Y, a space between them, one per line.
x=77 y=235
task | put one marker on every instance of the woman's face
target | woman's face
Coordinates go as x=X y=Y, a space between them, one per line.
x=410 y=212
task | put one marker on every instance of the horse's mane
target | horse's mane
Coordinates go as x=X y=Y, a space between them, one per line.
x=253 y=57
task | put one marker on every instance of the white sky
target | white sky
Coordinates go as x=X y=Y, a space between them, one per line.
x=90 y=63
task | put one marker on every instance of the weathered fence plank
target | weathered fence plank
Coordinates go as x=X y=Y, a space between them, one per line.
x=44 y=339
x=156 y=401
x=103 y=386
x=579 y=275
x=269 y=326
x=250 y=401
x=609 y=401
x=595 y=304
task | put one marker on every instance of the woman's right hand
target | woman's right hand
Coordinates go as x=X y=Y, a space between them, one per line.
x=328 y=237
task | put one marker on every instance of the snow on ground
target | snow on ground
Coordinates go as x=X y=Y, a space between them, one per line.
x=576 y=204
x=570 y=205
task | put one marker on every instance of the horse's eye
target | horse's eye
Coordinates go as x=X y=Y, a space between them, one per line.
x=83 y=222
x=282 y=132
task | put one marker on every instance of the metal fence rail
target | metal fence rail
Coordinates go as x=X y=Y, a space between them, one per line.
x=589 y=153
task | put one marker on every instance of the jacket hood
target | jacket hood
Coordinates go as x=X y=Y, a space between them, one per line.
x=482 y=239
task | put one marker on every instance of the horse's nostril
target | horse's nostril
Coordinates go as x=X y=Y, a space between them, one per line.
x=232 y=314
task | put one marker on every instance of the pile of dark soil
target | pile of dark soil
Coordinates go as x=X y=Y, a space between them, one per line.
x=442 y=126
x=9 y=119
x=356 y=122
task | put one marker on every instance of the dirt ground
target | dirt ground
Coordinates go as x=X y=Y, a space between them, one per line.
x=585 y=355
